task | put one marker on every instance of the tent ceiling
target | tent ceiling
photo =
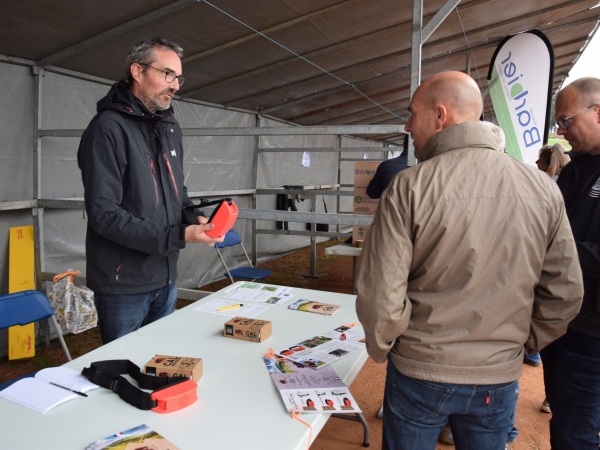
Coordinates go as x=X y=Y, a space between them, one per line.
x=363 y=42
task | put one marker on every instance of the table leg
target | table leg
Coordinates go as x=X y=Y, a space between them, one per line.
x=354 y=275
x=358 y=417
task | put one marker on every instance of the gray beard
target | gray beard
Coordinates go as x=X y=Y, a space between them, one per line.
x=155 y=104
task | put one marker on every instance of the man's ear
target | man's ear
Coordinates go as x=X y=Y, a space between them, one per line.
x=136 y=71
x=441 y=116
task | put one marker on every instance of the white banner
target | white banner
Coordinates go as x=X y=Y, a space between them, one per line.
x=520 y=80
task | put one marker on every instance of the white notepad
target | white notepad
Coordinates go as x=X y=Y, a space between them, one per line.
x=37 y=394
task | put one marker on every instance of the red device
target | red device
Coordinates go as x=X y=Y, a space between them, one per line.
x=175 y=397
x=223 y=218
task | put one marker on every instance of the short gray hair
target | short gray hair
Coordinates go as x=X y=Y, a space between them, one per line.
x=588 y=88
x=143 y=53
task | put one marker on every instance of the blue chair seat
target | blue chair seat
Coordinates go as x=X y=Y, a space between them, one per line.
x=232 y=238
x=25 y=307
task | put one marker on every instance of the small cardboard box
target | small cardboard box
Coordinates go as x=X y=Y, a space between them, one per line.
x=364 y=171
x=174 y=366
x=248 y=329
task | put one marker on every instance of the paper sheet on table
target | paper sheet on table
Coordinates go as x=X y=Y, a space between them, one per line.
x=315 y=391
x=260 y=293
x=326 y=348
x=249 y=310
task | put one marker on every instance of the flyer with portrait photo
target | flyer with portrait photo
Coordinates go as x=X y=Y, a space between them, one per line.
x=313 y=391
x=319 y=351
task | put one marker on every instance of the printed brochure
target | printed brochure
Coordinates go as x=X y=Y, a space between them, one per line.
x=313 y=391
x=231 y=308
x=259 y=293
x=325 y=309
x=326 y=348
x=141 y=437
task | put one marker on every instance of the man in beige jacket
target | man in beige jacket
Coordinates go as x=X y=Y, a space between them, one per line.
x=470 y=264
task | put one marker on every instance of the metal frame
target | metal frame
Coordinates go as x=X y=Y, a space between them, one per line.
x=420 y=34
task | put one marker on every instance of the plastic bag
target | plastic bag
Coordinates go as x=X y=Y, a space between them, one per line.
x=74 y=307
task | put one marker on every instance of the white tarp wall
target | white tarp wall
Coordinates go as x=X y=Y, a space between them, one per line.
x=211 y=163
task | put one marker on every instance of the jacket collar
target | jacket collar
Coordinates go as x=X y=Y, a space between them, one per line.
x=467 y=134
x=120 y=98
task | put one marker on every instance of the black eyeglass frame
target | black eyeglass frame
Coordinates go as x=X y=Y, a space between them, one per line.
x=167 y=74
x=563 y=124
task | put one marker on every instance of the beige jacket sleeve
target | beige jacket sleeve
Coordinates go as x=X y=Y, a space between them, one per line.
x=559 y=292
x=382 y=305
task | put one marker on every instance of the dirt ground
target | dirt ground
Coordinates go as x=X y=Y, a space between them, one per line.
x=336 y=276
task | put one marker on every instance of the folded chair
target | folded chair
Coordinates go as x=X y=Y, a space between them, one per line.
x=253 y=273
x=25 y=307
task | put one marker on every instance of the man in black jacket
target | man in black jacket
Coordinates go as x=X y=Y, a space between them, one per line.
x=131 y=161
x=386 y=171
x=572 y=363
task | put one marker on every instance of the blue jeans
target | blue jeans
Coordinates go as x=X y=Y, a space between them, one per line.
x=572 y=381
x=120 y=314
x=533 y=360
x=416 y=410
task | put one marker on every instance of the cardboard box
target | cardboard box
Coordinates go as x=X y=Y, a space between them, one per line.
x=364 y=171
x=174 y=366
x=252 y=330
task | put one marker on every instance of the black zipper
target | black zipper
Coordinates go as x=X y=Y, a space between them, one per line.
x=153 y=177
x=171 y=173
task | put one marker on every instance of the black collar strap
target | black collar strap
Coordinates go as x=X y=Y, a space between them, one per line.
x=108 y=375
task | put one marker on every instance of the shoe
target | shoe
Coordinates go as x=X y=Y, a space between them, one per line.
x=445 y=436
x=509 y=446
x=545 y=406
x=532 y=360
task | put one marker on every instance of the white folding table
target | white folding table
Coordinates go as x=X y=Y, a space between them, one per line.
x=238 y=407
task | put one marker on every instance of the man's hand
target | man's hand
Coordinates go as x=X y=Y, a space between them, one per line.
x=197 y=233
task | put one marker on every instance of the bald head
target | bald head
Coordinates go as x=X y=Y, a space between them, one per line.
x=458 y=92
x=446 y=99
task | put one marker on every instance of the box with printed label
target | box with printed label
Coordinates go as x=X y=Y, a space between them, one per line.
x=174 y=366
x=364 y=171
x=247 y=329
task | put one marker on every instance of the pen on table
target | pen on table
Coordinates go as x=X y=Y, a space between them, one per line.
x=77 y=392
x=225 y=308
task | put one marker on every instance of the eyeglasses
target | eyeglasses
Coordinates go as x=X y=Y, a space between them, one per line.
x=169 y=76
x=562 y=123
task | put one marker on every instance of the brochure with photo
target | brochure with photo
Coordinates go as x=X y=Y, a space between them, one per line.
x=259 y=293
x=313 y=391
x=319 y=351
x=326 y=309
x=141 y=437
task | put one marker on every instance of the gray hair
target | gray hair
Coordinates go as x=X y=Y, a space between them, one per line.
x=143 y=53
x=588 y=88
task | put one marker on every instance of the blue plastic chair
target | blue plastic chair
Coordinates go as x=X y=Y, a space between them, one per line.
x=25 y=307
x=252 y=273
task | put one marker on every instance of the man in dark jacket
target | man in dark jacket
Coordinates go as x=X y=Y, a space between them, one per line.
x=572 y=363
x=131 y=161
x=386 y=171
